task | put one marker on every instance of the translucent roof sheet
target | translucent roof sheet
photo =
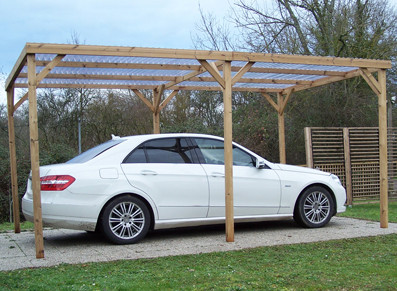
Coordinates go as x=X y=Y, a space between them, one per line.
x=65 y=66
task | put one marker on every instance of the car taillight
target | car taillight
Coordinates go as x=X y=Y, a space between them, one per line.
x=56 y=182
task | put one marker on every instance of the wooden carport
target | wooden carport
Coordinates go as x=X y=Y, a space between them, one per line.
x=167 y=71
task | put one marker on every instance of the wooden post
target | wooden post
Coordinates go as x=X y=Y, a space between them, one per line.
x=348 y=166
x=281 y=129
x=227 y=120
x=382 y=103
x=34 y=156
x=156 y=108
x=156 y=122
x=13 y=161
x=309 y=147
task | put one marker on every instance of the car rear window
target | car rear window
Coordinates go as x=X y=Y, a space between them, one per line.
x=95 y=151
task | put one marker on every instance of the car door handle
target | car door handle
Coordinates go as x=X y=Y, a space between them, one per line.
x=217 y=174
x=148 y=172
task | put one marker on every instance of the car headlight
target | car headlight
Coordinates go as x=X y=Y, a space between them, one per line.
x=336 y=179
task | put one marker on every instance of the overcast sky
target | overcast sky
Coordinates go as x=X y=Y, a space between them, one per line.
x=144 y=23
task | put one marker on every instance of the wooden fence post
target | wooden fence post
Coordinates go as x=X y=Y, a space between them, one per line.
x=384 y=208
x=227 y=103
x=309 y=147
x=34 y=157
x=13 y=161
x=348 y=166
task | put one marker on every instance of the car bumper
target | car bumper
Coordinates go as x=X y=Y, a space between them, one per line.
x=62 y=215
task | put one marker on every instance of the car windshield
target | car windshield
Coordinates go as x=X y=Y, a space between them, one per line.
x=95 y=151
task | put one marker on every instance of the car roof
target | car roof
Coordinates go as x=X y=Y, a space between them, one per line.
x=167 y=135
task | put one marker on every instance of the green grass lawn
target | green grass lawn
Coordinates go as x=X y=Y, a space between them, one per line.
x=356 y=264
x=8 y=226
x=351 y=264
x=370 y=211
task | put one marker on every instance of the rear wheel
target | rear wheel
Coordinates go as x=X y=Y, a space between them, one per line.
x=125 y=220
x=314 y=208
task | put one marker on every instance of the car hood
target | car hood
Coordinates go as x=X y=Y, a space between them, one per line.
x=301 y=169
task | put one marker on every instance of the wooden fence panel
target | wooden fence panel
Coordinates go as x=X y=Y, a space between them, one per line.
x=359 y=172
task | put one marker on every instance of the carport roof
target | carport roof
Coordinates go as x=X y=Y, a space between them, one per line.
x=111 y=67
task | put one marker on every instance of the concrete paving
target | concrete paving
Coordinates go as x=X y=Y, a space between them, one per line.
x=17 y=251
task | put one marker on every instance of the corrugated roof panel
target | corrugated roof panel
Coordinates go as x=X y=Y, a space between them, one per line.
x=93 y=82
x=121 y=60
x=114 y=72
x=297 y=66
x=274 y=76
x=262 y=85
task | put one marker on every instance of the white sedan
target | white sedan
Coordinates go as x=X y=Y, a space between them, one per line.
x=129 y=185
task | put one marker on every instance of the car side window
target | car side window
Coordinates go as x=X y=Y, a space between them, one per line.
x=166 y=150
x=213 y=153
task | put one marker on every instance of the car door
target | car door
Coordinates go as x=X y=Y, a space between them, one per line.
x=167 y=170
x=256 y=191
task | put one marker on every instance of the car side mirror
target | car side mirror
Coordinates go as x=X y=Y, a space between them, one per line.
x=260 y=164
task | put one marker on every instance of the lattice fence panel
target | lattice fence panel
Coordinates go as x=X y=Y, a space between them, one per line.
x=329 y=153
x=327 y=145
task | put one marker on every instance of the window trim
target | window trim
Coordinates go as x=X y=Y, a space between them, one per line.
x=201 y=156
x=195 y=159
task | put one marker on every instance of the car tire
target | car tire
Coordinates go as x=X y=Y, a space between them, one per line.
x=314 y=208
x=125 y=220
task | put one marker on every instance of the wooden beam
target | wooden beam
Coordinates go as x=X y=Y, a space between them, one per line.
x=189 y=76
x=16 y=70
x=228 y=144
x=173 y=79
x=13 y=161
x=21 y=101
x=34 y=157
x=328 y=80
x=371 y=81
x=241 y=72
x=281 y=130
x=271 y=101
x=214 y=72
x=42 y=48
x=144 y=99
x=382 y=105
x=158 y=92
x=168 y=99
x=156 y=104
x=190 y=67
x=48 y=68
x=152 y=87
x=284 y=103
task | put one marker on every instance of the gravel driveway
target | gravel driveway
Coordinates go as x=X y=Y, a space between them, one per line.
x=17 y=251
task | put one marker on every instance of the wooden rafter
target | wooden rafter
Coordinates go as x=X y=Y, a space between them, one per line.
x=41 y=48
x=44 y=73
x=47 y=69
x=241 y=72
x=144 y=99
x=370 y=79
x=197 y=67
x=271 y=101
x=214 y=72
x=285 y=101
x=174 y=80
x=168 y=99
x=328 y=80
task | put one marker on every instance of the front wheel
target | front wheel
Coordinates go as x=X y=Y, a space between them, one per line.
x=314 y=207
x=125 y=220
